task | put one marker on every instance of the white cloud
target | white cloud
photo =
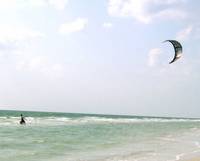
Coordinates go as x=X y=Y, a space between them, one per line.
x=153 y=56
x=12 y=35
x=146 y=11
x=107 y=25
x=40 y=64
x=184 y=34
x=171 y=13
x=75 y=26
x=36 y=3
x=58 y=4
x=15 y=4
x=5 y=4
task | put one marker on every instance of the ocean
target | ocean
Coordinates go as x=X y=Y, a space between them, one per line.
x=49 y=136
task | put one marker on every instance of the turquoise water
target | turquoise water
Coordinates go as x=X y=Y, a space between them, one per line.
x=82 y=137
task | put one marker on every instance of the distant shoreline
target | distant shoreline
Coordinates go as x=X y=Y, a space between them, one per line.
x=100 y=114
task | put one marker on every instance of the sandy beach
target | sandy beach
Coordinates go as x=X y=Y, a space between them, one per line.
x=193 y=159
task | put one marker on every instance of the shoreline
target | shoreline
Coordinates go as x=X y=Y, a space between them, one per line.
x=193 y=159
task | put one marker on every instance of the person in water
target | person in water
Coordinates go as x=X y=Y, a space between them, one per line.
x=22 y=121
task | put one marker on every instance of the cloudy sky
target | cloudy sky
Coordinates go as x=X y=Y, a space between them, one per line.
x=100 y=56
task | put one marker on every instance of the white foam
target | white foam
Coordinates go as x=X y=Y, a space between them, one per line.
x=82 y=120
x=179 y=156
x=168 y=139
x=197 y=144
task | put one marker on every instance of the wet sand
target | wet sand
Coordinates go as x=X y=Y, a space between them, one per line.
x=194 y=159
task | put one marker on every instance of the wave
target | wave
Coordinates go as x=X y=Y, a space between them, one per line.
x=82 y=120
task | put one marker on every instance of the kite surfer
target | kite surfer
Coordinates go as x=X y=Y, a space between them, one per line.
x=22 y=121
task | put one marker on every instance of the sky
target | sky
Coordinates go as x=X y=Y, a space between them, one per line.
x=100 y=56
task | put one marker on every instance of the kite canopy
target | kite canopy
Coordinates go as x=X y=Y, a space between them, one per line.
x=177 y=48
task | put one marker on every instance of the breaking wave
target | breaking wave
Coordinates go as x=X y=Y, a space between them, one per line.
x=84 y=120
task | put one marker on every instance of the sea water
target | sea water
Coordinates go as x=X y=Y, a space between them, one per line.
x=83 y=137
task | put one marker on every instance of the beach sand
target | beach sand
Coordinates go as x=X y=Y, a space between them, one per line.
x=194 y=159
